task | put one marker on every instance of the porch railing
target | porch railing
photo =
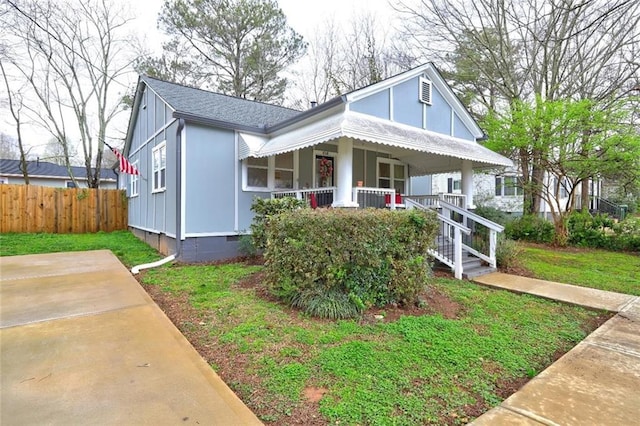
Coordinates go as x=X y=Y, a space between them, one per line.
x=374 y=197
x=324 y=196
x=433 y=201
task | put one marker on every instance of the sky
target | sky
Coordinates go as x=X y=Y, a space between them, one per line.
x=305 y=16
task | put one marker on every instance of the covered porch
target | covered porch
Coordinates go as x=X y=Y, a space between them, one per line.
x=352 y=160
x=355 y=160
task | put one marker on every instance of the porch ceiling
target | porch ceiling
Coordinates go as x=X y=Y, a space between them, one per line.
x=425 y=151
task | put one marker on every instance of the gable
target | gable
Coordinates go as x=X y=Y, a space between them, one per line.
x=404 y=99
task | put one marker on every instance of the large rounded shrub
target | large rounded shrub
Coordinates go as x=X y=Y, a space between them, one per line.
x=336 y=262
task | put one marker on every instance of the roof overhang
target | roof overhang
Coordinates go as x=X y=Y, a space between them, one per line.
x=425 y=151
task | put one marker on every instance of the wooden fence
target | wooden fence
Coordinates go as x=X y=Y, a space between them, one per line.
x=31 y=208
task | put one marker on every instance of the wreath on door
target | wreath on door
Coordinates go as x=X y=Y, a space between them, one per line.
x=325 y=168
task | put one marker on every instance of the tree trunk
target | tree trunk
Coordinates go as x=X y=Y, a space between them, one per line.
x=584 y=196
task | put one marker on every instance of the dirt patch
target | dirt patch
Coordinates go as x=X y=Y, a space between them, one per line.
x=313 y=394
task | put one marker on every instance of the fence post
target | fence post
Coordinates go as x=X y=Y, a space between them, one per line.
x=457 y=247
x=493 y=243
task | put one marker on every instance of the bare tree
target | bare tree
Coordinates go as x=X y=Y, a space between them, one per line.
x=339 y=61
x=531 y=50
x=71 y=55
x=15 y=104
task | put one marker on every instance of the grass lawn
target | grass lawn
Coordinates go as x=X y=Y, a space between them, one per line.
x=434 y=366
x=601 y=269
x=130 y=250
x=426 y=369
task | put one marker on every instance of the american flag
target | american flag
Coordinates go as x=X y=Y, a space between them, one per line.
x=125 y=165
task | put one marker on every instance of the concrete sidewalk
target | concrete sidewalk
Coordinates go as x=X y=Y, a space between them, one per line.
x=595 y=383
x=82 y=343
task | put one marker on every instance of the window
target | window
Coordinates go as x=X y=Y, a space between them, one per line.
x=284 y=171
x=133 y=182
x=425 y=91
x=4 y=180
x=453 y=185
x=258 y=172
x=508 y=186
x=269 y=173
x=392 y=174
x=159 y=155
x=69 y=184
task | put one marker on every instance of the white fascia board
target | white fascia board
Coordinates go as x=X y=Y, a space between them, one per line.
x=385 y=84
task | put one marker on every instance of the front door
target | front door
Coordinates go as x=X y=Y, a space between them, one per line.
x=325 y=171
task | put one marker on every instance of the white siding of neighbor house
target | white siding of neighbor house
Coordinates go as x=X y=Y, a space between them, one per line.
x=54 y=182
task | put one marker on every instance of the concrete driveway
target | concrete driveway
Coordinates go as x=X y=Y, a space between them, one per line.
x=82 y=343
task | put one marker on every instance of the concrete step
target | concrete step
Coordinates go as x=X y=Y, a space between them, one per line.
x=477 y=271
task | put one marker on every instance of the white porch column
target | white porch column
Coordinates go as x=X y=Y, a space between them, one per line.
x=467 y=182
x=345 y=174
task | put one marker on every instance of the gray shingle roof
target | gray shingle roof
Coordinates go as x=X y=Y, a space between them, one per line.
x=44 y=168
x=217 y=107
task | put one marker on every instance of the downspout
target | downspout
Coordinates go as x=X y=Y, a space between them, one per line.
x=136 y=269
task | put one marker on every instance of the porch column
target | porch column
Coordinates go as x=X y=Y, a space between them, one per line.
x=344 y=174
x=467 y=182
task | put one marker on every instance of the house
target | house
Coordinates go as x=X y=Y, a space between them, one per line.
x=204 y=156
x=49 y=174
x=503 y=191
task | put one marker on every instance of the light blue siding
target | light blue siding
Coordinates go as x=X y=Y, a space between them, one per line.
x=460 y=130
x=376 y=105
x=152 y=211
x=438 y=113
x=407 y=108
x=421 y=185
x=210 y=164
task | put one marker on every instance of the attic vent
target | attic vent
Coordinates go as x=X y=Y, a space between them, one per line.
x=425 y=91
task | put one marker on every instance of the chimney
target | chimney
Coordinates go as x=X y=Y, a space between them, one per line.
x=314 y=104
x=37 y=161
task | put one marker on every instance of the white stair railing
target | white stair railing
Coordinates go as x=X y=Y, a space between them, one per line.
x=448 y=249
x=483 y=239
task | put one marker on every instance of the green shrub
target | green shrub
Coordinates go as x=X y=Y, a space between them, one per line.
x=264 y=208
x=493 y=214
x=586 y=230
x=530 y=228
x=627 y=235
x=336 y=263
x=331 y=304
x=246 y=246
x=508 y=253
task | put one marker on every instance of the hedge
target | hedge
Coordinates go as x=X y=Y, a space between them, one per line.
x=336 y=262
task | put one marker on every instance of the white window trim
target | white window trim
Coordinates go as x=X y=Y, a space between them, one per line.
x=271 y=175
x=135 y=179
x=519 y=192
x=4 y=180
x=392 y=177
x=161 y=145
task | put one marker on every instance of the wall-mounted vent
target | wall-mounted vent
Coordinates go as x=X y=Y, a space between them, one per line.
x=425 y=91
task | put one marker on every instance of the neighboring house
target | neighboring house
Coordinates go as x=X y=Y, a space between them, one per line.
x=502 y=190
x=204 y=156
x=49 y=174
